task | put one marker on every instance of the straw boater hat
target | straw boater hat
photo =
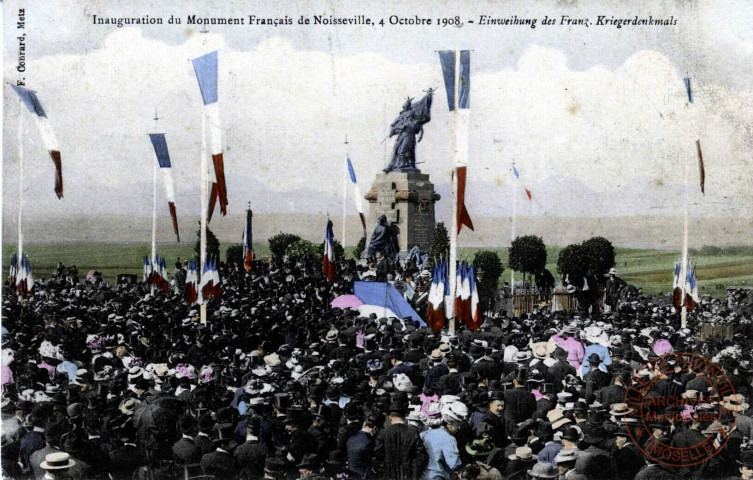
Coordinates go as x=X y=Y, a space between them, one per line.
x=57 y=461
x=522 y=453
x=620 y=409
x=557 y=418
x=735 y=403
x=127 y=406
x=566 y=456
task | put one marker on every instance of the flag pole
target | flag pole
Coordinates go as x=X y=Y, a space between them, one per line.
x=684 y=269
x=454 y=232
x=512 y=230
x=204 y=205
x=20 y=180
x=345 y=190
x=154 y=205
x=154 y=217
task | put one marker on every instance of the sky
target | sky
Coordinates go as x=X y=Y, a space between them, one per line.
x=596 y=119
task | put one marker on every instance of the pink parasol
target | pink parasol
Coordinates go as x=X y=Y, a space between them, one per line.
x=346 y=301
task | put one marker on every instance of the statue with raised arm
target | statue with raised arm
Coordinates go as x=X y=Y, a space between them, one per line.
x=409 y=129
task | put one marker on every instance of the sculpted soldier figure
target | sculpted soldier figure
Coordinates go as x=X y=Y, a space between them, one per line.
x=408 y=126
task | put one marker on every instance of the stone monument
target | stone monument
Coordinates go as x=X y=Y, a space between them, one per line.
x=401 y=193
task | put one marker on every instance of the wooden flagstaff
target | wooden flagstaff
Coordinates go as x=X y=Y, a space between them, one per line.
x=153 y=258
x=452 y=271
x=345 y=190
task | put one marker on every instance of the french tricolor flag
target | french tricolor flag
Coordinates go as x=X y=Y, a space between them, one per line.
x=435 y=315
x=163 y=158
x=474 y=321
x=206 y=74
x=356 y=191
x=328 y=262
x=456 y=70
x=248 y=245
x=216 y=283
x=147 y=270
x=163 y=281
x=24 y=280
x=192 y=278
x=206 y=286
x=29 y=98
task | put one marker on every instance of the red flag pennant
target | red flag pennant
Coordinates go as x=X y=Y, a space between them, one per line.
x=701 y=170
x=212 y=201
x=464 y=217
x=219 y=170
x=58 y=172
x=174 y=216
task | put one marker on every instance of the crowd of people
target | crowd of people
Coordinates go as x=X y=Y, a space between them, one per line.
x=116 y=382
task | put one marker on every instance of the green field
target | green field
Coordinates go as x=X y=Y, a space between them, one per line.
x=648 y=269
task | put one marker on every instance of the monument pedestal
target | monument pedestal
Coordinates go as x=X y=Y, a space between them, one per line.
x=407 y=200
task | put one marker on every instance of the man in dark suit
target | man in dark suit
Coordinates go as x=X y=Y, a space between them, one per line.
x=221 y=463
x=493 y=421
x=627 y=458
x=185 y=450
x=559 y=371
x=125 y=458
x=400 y=448
x=301 y=441
x=612 y=394
x=252 y=454
x=351 y=426
x=203 y=439
x=520 y=404
x=32 y=441
x=396 y=358
x=595 y=378
x=437 y=370
x=360 y=448
x=449 y=384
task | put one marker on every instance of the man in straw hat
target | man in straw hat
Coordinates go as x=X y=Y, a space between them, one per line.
x=55 y=465
x=520 y=462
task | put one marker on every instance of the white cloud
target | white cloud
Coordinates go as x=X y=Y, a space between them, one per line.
x=285 y=114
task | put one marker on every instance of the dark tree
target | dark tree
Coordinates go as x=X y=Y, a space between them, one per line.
x=573 y=262
x=304 y=249
x=360 y=247
x=600 y=254
x=440 y=245
x=488 y=269
x=528 y=255
x=213 y=246
x=234 y=255
x=279 y=244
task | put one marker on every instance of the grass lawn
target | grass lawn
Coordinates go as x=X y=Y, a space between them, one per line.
x=648 y=269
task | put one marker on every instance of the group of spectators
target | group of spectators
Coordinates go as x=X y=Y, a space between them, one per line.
x=117 y=383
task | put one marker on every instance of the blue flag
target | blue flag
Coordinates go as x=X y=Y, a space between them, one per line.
x=447 y=60
x=160 y=149
x=30 y=100
x=206 y=73
x=351 y=171
x=688 y=89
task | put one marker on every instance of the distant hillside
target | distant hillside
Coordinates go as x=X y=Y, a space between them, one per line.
x=634 y=232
